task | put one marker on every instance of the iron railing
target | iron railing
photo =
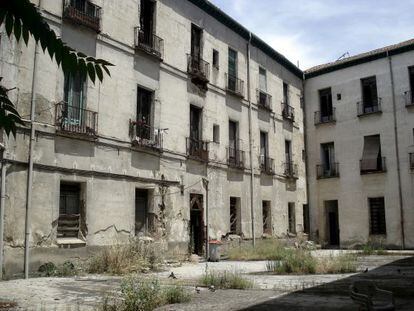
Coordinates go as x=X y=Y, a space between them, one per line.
x=365 y=108
x=288 y=112
x=325 y=118
x=266 y=165
x=149 y=43
x=373 y=165
x=264 y=100
x=197 y=149
x=327 y=171
x=411 y=160
x=76 y=120
x=198 y=68
x=234 y=85
x=84 y=13
x=290 y=169
x=235 y=158
x=409 y=98
x=144 y=135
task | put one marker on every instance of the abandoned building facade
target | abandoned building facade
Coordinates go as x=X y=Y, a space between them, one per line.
x=200 y=125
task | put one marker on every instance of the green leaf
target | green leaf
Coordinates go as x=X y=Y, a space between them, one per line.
x=83 y=70
x=25 y=33
x=9 y=24
x=99 y=72
x=3 y=13
x=106 y=70
x=91 y=71
x=17 y=29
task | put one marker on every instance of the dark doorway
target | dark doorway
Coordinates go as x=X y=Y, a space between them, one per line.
x=146 y=20
x=144 y=120
x=331 y=208
x=141 y=211
x=325 y=101
x=267 y=217
x=196 y=34
x=69 y=222
x=369 y=93
x=196 y=224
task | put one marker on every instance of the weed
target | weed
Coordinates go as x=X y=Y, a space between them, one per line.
x=225 y=280
x=270 y=249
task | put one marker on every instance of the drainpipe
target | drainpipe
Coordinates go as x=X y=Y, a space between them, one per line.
x=397 y=152
x=205 y=183
x=250 y=142
x=30 y=169
x=305 y=139
x=2 y=207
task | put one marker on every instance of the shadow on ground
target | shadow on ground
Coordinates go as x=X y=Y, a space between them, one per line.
x=397 y=277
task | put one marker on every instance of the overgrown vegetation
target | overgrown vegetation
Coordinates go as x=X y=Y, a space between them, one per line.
x=144 y=295
x=299 y=261
x=135 y=256
x=373 y=249
x=50 y=269
x=225 y=280
x=270 y=249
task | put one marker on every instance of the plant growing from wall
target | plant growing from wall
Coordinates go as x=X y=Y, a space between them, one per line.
x=22 y=20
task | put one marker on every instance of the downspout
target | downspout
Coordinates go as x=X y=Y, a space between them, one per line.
x=30 y=170
x=2 y=207
x=305 y=139
x=205 y=182
x=397 y=152
x=250 y=142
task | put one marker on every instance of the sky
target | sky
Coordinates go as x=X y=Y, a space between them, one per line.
x=313 y=32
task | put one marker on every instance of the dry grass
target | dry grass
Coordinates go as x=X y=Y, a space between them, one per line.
x=136 y=256
x=270 y=249
x=225 y=280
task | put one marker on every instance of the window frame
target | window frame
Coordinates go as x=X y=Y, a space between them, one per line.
x=381 y=228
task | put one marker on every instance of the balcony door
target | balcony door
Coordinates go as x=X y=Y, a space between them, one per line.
x=146 y=20
x=144 y=105
x=369 y=94
x=325 y=99
x=411 y=73
x=233 y=138
x=328 y=156
x=74 y=96
x=288 y=151
x=196 y=35
x=285 y=94
x=232 y=69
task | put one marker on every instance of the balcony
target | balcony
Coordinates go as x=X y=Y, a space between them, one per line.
x=235 y=158
x=197 y=149
x=369 y=108
x=198 y=69
x=84 y=13
x=75 y=120
x=327 y=171
x=266 y=165
x=234 y=85
x=288 y=112
x=264 y=100
x=369 y=166
x=290 y=169
x=411 y=161
x=149 y=43
x=145 y=136
x=325 y=118
x=409 y=99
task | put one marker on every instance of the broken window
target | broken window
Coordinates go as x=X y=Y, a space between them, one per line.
x=262 y=79
x=215 y=59
x=325 y=102
x=369 y=95
x=372 y=160
x=377 y=216
x=216 y=133
x=235 y=218
x=267 y=217
x=144 y=107
x=292 y=217
x=306 y=219
x=146 y=20
x=69 y=222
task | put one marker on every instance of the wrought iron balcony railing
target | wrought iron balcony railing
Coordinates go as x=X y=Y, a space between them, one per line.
x=409 y=98
x=144 y=135
x=288 y=112
x=76 y=120
x=368 y=166
x=83 y=12
x=290 y=169
x=197 y=149
x=411 y=155
x=321 y=118
x=365 y=108
x=267 y=165
x=234 y=85
x=198 y=68
x=235 y=158
x=149 y=43
x=264 y=100
x=327 y=171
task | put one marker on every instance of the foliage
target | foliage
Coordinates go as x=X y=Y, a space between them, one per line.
x=270 y=249
x=372 y=249
x=225 y=280
x=50 y=269
x=22 y=20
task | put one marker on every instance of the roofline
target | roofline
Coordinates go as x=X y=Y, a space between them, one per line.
x=226 y=20
x=359 y=60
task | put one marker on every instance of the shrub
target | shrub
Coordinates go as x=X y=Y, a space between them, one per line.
x=50 y=269
x=136 y=256
x=225 y=280
x=372 y=249
x=338 y=264
x=270 y=249
x=176 y=294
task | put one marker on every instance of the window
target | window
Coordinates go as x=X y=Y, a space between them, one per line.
x=292 y=217
x=146 y=21
x=75 y=98
x=372 y=160
x=306 y=219
x=69 y=221
x=195 y=123
x=232 y=70
x=377 y=216
x=285 y=93
x=267 y=217
x=233 y=135
x=325 y=102
x=144 y=113
x=411 y=74
x=369 y=94
x=262 y=79
x=288 y=151
x=141 y=211
x=215 y=59
x=235 y=218
x=263 y=144
x=328 y=156
x=196 y=35
x=216 y=133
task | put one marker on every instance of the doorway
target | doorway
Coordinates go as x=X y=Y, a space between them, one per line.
x=332 y=225
x=196 y=224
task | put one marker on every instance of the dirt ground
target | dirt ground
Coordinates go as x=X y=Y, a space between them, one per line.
x=271 y=292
